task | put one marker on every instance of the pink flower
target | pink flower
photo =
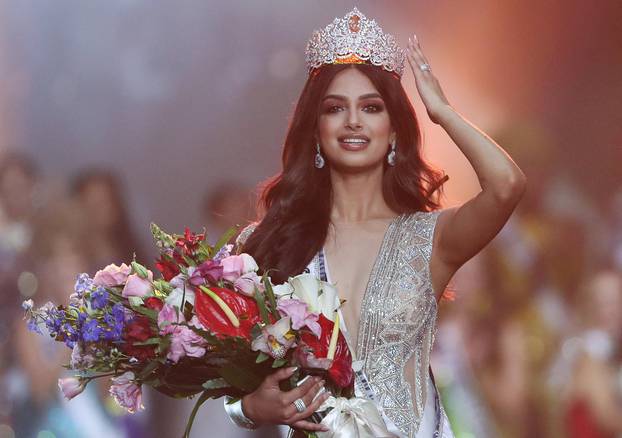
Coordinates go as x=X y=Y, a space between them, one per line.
x=247 y=283
x=112 y=275
x=127 y=393
x=185 y=342
x=137 y=286
x=71 y=386
x=237 y=265
x=297 y=311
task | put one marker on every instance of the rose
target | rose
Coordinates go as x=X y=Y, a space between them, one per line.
x=127 y=393
x=138 y=330
x=137 y=286
x=237 y=265
x=340 y=371
x=214 y=319
x=247 y=283
x=71 y=386
x=112 y=275
x=167 y=268
x=301 y=317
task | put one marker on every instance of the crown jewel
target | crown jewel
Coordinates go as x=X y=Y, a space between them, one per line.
x=354 y=39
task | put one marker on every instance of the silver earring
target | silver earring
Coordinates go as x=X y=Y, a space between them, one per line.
x=319 y=159
x=391 y=156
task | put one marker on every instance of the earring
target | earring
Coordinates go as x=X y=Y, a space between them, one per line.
x=319 y=159
x=391 y=155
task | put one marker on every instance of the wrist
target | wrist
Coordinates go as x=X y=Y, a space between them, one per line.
x=442 y=114
x=247 y=410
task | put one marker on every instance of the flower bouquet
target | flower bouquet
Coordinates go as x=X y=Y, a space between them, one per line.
x=210 y=326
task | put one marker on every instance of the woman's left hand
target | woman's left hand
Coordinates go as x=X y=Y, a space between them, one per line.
x=429 y=89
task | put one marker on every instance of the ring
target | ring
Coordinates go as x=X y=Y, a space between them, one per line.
x=300 y=405
x=424 y=67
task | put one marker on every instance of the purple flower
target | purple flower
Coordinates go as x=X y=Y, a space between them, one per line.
x=297 y=311
x=79 y=359
x=91 y=331
x=83 y=284
x=247 y=283
x=224 y=251
x=185 y=342
x=127 y=393
x=209 y=271
x=99 y=298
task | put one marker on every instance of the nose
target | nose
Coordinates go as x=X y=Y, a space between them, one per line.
x=353 y=121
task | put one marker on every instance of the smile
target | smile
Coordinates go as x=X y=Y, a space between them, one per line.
x=353 y=143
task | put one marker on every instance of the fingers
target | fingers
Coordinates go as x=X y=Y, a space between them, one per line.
x=291 y=411
x=300 y=391
x=415 y=56
x=312 y=406
x=308 y=425
x=282 y=374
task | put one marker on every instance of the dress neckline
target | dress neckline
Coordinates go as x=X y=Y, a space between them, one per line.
x=355 y=349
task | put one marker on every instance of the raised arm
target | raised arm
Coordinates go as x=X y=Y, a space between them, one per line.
x=461 y=232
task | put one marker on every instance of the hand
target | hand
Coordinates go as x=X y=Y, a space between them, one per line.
x=429 y=89
x=268 y=404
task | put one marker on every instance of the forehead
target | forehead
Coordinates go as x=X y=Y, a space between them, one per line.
x=351 y=83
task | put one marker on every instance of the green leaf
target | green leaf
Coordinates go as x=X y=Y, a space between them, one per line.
x=188 y=260
x=261 y=304
x=279 y=363
x=240 y=377
x=140 y=270
x=135 y=301
x=226 y=237
x=271 y=297
x=216 y=384
x=150 y=341
x=262 y=357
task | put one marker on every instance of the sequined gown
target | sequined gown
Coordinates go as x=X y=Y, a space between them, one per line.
x=397 y=326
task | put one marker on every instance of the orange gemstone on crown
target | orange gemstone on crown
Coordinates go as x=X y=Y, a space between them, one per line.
x=354 y=23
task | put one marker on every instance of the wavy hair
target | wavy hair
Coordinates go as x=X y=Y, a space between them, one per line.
x=295 y=205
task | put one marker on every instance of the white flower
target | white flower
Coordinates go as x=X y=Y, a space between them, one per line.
x=28 y=304
x=321 y=297
x=250 y=265
x=281 y=290
x=176 y=295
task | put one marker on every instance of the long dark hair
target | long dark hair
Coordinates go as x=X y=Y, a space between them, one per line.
x=296 y=204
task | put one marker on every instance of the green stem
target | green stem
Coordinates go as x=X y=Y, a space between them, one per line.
x=228 y=312
x=204 y=396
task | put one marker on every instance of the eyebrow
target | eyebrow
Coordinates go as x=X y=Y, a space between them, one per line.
x=364 y=96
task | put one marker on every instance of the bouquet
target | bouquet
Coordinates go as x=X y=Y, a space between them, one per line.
x=209 y=326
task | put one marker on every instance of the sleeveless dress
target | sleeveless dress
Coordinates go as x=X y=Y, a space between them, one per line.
x=396 y=329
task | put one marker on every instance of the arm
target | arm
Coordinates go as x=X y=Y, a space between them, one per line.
x=463 y=231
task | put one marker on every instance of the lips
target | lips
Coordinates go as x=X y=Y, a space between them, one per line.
x=353 y=142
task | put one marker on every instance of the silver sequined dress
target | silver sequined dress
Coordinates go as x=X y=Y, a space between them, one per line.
x=397 y=326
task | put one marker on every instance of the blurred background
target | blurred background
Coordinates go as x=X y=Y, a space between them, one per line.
x=118 y=113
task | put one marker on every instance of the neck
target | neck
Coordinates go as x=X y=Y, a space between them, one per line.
x=357 y=197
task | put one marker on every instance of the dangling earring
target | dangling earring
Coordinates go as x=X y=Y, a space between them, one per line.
x=319 y=159
x=391 y=156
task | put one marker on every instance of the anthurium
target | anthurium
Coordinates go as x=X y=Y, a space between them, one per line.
x=215 y=319
x=340 y=370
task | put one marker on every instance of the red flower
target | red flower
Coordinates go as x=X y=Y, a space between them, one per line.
x=139 y=330
x=167 y=268
x=340 y=371
x=154 y=303
x=189 y=242
x=214 y=319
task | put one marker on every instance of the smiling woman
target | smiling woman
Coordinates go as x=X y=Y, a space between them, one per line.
x=356 y=205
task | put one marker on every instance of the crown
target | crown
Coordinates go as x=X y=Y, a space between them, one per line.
x=354 y=39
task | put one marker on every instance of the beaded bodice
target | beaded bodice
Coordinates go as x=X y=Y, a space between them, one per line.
x=398 y=320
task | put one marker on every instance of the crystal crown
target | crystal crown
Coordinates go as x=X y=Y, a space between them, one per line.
x=354 y=39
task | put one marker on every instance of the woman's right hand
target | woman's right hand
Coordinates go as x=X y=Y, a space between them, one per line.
x=268 y=404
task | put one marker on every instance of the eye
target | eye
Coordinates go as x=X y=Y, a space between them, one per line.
x=332 y=108
x=373 y=108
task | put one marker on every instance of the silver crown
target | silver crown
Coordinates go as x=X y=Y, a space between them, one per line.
x=354 y=39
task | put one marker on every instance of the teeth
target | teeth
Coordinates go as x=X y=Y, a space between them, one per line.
x=354 y=140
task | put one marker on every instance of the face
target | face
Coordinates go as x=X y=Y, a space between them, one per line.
x=100 y=204
x=354 y=128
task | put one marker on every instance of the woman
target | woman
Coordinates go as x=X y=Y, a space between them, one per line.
x=357 y=205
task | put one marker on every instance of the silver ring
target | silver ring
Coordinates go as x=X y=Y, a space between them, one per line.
x=424 y=67
x=300 y=405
